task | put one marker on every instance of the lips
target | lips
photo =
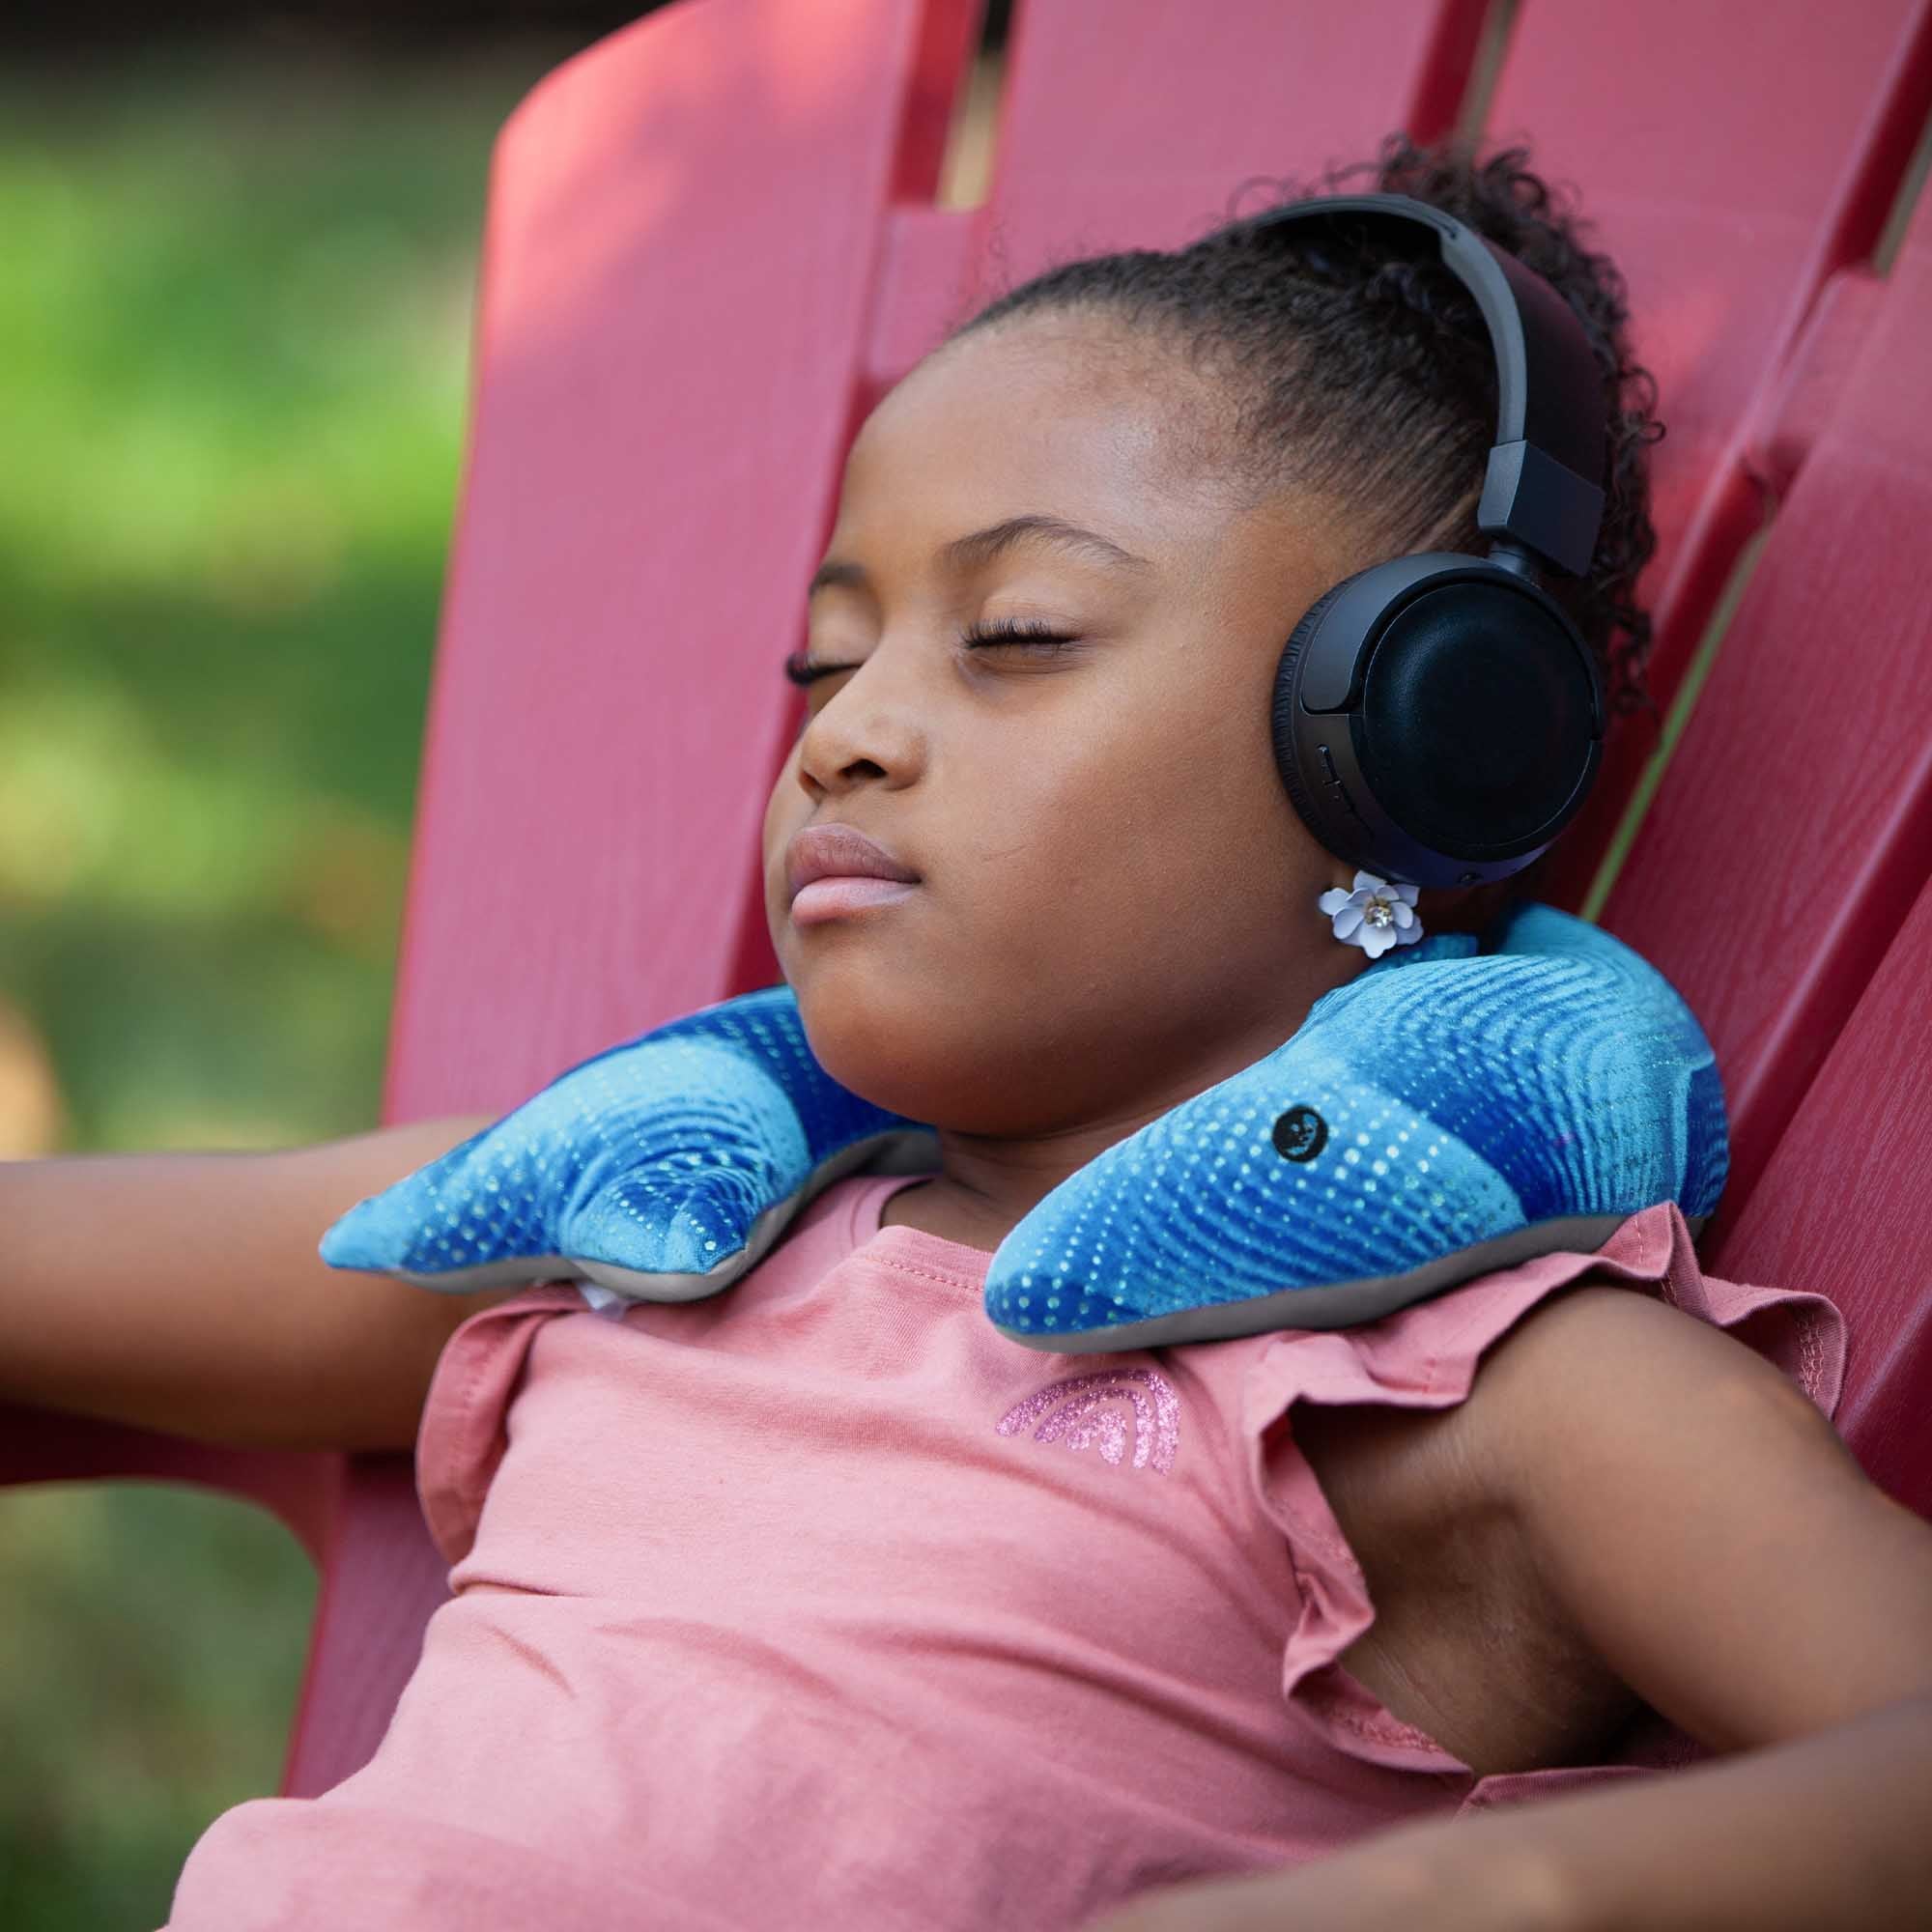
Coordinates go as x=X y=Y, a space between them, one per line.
x=840 y=852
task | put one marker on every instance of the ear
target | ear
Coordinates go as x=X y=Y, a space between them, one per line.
x=1463 y=909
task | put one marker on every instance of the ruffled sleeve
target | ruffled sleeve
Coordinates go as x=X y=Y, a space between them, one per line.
x=1426 y=1358
x=464 y=1431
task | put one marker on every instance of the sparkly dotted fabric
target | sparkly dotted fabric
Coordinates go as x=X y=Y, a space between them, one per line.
x=661 y=1168
x=1439 y=1101
x=1443 y=1101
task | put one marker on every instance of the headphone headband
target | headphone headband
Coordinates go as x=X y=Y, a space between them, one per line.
x=1543 y=487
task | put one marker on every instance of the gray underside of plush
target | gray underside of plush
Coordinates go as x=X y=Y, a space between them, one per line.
x=1340 y=1304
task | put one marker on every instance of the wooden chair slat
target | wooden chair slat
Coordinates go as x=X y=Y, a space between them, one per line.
x=1837 y=1210
x=664 y=366
x=1794 y=822
x=1730 y=165
x=1128 y=124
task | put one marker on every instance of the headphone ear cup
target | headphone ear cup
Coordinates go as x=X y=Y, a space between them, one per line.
x=1287 y=696
x=1480 y=718
x=1466 y=734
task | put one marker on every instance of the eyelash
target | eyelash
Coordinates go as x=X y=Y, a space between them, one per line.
x=800 y=668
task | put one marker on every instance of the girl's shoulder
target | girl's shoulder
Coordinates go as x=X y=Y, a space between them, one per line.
x=1449 y=1439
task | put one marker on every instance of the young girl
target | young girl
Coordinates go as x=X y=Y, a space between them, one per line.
x=822 y=1602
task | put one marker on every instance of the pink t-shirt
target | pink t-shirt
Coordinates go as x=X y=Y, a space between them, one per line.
x=822 y=1602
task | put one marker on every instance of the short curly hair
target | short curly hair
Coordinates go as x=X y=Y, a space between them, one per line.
x=1402 y=409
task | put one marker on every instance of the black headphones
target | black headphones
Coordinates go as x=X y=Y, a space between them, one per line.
x=1437 y=717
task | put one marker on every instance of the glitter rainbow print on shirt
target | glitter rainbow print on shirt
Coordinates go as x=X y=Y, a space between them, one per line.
x=1084 y=1415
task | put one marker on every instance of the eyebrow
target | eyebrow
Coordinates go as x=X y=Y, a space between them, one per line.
x=982 y=546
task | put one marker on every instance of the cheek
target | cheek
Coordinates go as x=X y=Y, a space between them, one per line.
x=1149 y=834
x=785 y=808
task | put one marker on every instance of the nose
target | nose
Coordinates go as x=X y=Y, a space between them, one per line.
x=865 y=731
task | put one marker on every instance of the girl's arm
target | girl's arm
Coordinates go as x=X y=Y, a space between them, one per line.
x=1709 y=1536
x=1826 y=1835
x=183 y=1292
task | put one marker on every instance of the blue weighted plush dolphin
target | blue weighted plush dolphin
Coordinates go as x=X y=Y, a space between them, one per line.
x=1444 y=1113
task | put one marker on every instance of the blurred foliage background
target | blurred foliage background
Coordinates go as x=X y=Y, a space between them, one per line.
x=235 y=300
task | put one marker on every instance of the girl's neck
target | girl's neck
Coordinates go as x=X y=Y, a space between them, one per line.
x=986 y=1186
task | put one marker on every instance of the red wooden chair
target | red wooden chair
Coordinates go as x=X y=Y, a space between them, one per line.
x=713 y=240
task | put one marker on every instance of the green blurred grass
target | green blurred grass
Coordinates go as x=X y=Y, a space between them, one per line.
x=234 y=333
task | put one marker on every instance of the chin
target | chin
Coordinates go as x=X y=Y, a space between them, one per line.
x=873 y=1048
x=875 y=1025
x=863 y=1054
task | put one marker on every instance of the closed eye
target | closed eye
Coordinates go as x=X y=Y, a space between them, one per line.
x=1013 y=631
x=803 y=669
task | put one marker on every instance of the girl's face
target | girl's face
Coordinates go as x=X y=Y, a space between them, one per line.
x=1116 y=904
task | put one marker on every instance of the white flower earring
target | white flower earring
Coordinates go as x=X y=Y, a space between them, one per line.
x=1374 y=915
